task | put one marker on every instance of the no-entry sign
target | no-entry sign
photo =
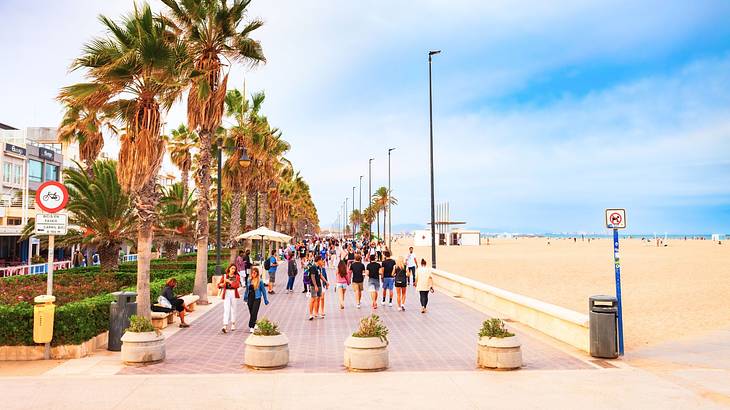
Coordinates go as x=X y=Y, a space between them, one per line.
x=51 y=197
x=616 y=218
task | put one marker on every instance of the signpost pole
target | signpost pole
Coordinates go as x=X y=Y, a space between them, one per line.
x=49 y=287
x=617 y=265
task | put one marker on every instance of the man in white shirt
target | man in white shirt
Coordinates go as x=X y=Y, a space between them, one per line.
x=411 y=264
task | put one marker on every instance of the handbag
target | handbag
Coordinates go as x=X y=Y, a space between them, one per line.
x=162 y=301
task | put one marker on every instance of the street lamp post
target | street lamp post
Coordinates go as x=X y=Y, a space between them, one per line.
x=390 y=217
x=347 y=224
x=370 y=195
x=430 y=126
x=244 y=161
x=353 y=208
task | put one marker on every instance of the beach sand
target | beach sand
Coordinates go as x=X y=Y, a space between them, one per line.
x=669 y=293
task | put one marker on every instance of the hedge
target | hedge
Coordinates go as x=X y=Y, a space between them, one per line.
x=77 y=322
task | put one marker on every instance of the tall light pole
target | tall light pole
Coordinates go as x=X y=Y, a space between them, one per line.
x=243 y=161
x=390 y=218
x=353 y=208
x=370 y=195
x=346 y=222
x=360 y=207
x=430 y=126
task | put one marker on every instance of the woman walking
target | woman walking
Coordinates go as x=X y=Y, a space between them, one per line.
x=424 y=284
x=229 y=284
x=343 y=280
x=401 y=283
x=255 y=291
x=291 y=272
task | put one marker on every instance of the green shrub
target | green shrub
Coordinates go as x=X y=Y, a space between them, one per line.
x=265 y=327
x=371 y=326
x=494 y=328
x=16 y=324
x=140 y=324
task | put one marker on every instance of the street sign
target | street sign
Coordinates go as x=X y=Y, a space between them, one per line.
x=51 y=197
x=616 y=218
x=51 y=224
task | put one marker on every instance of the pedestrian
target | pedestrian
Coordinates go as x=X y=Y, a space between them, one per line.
x=411 y=264
x=78 y=259
x=424 y=284
x=229 y=284
x=343 y=280
x=315 y=280
x=306 y=265
x=271 y=269
x=401 y=283
x=175 y=303
x=291 y=272
x=374 y=271
x=357 y=268
x=388 y=279
x=240 y=263
x=325 y=286
x=247 y=263
x=255 y=291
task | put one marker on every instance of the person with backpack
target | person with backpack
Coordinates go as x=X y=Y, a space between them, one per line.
x=317 y=281
x=270 y=264
x=388 y=277
x=291 y=272
x=401 y=283
x=356 y=274
x=374 y=272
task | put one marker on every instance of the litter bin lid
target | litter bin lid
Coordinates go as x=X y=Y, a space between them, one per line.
x=603 y=298
x=124 y=293
x=44 y=299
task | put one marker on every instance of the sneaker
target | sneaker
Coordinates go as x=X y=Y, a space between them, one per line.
x=224 y=330
x=311 y=317
x=304 y=291
x=184 y=325
x=390 y=304
x=358 y=306
x=382 y=303
x=423 y=310
x=233 y=328
x=403 y=307
x=250 y=330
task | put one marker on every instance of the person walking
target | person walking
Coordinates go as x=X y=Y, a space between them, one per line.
x=357 y=268
x=271 y=267
x=411 y=264
x=325 y=286
x=255 y=291
x=315 y=280
x=240 y=263
x=374 y=271
x=424 y=284
x=388 y=277
x=247 y=264
x=78 y=259
x=291 y=272
x=229 y=284
x=343 y=281
x=401 y=283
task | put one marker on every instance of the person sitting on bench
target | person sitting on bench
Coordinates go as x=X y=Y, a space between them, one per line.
x=176 y=302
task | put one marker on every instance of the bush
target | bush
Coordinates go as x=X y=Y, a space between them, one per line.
x=68 y=287
x=140 y=324
x=494 y=328
x=265 y=327
x=371 y=326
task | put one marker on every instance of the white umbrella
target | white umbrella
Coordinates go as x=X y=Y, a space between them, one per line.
x=265 y=233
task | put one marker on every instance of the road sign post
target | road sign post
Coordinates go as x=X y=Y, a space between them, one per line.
x=51 y=197
x=616 y=219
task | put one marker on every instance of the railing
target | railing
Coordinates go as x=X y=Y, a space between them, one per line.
x=34 y=269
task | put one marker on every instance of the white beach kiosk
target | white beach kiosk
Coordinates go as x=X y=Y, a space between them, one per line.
x=445 y=235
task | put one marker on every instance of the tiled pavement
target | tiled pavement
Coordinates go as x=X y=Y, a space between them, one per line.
x=443 y=339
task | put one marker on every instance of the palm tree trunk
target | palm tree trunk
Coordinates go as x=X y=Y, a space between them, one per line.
x=378 y=225
x=109 y=257
x=169 y=250
x=235 y=228
x=145 y=202
x=201 y=266
x=185 y=179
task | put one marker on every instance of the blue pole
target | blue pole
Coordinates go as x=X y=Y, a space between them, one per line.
x=617 y=265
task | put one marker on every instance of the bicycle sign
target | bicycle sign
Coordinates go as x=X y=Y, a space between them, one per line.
x=616 y=218
x=51 y=197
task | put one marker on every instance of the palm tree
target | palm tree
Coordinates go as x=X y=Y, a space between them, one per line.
x=211 y=30
x=139 y=69
x=368 y=216
x=356 y=217
x=176 y=219
x=83 y=123
x=382 y=199
x=180 y=142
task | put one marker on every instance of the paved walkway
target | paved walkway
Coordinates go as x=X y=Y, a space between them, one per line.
x=443 y=339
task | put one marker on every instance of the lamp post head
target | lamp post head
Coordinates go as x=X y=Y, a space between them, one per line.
x=390 y=149
x=244 y=159
x=434 y=52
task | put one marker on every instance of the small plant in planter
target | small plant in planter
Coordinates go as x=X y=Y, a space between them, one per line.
x=367 y=348
x=498 y=348
x=267 y=348
x=142 y=343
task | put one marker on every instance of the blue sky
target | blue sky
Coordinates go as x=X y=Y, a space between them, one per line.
x=545 y=112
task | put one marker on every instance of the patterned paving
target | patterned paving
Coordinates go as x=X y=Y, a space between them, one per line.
x=443 y=339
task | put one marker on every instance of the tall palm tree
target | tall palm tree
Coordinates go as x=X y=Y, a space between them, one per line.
x=180 y=143
x=382 y=199
x=83 y=123
x=212 y=30
x=137 y=72
x=356 y=217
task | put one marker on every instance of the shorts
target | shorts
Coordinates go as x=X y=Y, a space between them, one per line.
x=316 y=294
x=388 y=283
x=357 y=286
x=341 y=286
x=400 y=284
x=373 y=285
x=272 y=277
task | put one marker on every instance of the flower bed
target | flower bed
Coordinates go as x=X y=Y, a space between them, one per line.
x=68 y=287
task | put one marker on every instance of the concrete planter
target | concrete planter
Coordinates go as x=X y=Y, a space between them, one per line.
x=143 y=348
x=266 y=352
x=366 y=354
x=499 y=353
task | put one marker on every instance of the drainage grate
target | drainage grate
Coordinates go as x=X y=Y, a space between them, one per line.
x=604 y=364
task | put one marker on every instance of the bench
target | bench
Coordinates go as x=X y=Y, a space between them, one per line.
x=160 y=320
x=191 y=301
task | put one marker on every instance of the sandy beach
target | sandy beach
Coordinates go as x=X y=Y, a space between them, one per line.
x=669 y=293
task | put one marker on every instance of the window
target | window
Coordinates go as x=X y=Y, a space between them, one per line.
x=14 y=221
x=51 y=172
x=7 y=172
x=35 y=171
x=17 y=174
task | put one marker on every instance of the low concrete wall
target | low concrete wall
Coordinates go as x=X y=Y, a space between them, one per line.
x=57 y=352
x=563 y=324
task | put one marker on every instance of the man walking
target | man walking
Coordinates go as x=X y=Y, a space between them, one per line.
x=411 y=264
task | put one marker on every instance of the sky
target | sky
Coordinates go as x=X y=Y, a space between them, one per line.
x=545 y=113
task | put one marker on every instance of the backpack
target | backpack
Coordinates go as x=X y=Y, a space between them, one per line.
x=267 y=264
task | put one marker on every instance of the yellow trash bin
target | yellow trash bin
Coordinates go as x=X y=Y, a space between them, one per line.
x=43 y=313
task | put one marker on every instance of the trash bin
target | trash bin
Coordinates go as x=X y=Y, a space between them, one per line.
x=119 y=313
x=43 y=313
x=603 y=317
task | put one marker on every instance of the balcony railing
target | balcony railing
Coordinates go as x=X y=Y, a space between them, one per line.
x=34 y=269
